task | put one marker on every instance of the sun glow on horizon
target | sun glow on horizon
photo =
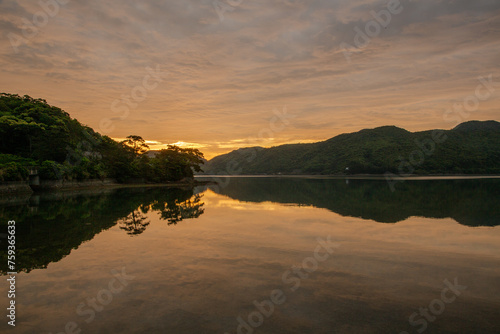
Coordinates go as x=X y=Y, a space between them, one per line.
x=213 y=149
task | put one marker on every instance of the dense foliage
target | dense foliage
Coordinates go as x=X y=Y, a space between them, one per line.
x=470 y=148
x=33 y=133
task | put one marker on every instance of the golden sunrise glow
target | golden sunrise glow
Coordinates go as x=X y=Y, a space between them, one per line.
x=177 y=74
x=211 y=150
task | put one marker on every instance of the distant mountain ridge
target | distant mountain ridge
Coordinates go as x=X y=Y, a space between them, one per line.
x=470 y=148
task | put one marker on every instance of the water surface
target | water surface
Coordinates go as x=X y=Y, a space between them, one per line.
x=200 y=258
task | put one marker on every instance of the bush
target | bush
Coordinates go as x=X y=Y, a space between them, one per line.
x=6 y=158
x=13 y=171
x=51 y=170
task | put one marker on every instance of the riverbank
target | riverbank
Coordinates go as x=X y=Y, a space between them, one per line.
x=19 y=188
x=363 y=176
x=15 y=187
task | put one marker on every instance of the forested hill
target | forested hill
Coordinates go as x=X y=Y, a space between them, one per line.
x=34 y=133
x=470 y=148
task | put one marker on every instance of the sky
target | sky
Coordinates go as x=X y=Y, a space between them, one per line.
x=224 y=74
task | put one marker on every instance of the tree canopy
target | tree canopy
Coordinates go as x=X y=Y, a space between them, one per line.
x=32 y=132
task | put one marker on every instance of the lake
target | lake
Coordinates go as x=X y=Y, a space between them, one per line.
x=259 y=255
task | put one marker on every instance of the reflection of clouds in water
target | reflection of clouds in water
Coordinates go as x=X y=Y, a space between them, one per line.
x=214 y=269
x=218 y=200
x=199 y=276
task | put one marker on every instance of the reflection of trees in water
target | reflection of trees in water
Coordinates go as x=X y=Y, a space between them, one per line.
x=135 y=223
x=175 y=211
x=49 y=226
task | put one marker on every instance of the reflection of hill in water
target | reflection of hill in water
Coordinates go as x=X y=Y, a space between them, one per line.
x=50 y=225
x=469 y=202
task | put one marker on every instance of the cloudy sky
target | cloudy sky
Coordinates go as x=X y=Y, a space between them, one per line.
x=217 y=74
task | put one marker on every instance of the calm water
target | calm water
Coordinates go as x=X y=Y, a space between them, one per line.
x=245 y=257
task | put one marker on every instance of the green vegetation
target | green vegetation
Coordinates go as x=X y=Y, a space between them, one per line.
x=470 y=148
x=33 y=133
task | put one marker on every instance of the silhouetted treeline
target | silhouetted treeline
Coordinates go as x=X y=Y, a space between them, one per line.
x=33 y=133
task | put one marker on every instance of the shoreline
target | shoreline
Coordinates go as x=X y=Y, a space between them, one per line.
x=367 y=176
x=23 y=187
x=20 y=188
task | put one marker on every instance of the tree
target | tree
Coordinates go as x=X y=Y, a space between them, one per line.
x=137 y=144
x=175 y=163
